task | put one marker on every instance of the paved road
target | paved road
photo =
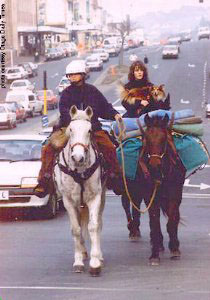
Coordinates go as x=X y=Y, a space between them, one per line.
x=37 y=255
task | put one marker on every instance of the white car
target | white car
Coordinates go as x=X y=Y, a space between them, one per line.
x=207 y=110
x=20 y=158
x=28 y=100
x=203 y=33
x=14 y=73
x=113 y=50
x=170 y=51
x=7 y=117
x=93 y=62
x=103 y=54
x=64 y=83
x=21 y=84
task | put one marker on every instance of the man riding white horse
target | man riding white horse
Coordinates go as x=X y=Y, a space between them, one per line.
x=82 y=95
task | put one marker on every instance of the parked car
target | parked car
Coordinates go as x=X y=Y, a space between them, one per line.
x=51 y=54
x=207 y=110
x=112 y=49
x=19 y=110
x=70 y=47
x=204 y=33
x=21 y=84
x=7 y=117
x=170 y=51
x=93 y=62
x=34 y=67
x=27 y=68
x=14 y=73
x=64 y=83
x=20 y=158
x=52 y=100
x=103 y=54
x=28 y=99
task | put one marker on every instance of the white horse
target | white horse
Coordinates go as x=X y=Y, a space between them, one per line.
x=78 y=178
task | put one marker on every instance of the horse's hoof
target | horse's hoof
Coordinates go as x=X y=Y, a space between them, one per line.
x=154 y=261
x=78 y=269
x=175 y=255
x=135 y=235
x=134 y=238
x=95 y=272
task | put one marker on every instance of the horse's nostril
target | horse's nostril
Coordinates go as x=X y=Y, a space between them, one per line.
x=73 y=158
x=81 y=159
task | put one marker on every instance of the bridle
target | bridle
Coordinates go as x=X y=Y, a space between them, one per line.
x=86 y=147
x=160 y=156
x=80 y=178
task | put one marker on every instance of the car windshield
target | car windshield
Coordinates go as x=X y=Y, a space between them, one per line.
x=15 y=150
x=19 y=83
x=11 y=71
x=92 y=59
x=170 y=48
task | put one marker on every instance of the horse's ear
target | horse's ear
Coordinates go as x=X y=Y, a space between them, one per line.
x=165 y=120
x=73 y=111
x=161 y=87
x=89 y=112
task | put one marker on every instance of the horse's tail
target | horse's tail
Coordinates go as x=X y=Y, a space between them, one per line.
x=84 y=213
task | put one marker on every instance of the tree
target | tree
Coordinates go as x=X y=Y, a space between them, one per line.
x=123 y=28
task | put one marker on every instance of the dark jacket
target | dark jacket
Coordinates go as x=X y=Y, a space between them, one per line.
x=132 y=108
x=83 y=96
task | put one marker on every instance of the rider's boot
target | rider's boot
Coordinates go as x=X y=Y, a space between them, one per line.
x=45 y=183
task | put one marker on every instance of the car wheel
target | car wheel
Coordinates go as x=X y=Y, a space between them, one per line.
x=32 y=113
x=10 y=125
x=51 y=208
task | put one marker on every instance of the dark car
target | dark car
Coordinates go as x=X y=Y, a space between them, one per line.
x=21 y=114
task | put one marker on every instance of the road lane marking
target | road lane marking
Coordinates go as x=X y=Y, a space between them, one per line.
x=202 y=186
x=62 y=288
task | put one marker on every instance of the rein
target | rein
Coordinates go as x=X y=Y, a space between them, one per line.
x=119 y=137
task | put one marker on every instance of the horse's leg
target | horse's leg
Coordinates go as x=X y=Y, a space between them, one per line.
x=126 y=205
x=155 y=237
x=78 y=264
x=94 y=228
x=172 y=228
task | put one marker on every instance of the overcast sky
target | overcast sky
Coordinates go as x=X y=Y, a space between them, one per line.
x=139 y=7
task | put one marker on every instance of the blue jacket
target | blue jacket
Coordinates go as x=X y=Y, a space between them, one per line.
x=83 y=96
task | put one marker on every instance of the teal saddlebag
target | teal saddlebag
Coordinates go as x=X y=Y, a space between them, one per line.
x=131 y=149
x=191 y=151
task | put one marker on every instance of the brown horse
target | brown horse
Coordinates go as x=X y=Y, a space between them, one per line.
x=159 y=164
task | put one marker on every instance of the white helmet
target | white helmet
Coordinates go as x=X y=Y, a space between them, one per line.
x=133 y=57
x=76 y=66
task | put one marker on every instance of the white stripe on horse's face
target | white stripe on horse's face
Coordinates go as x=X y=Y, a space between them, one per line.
x=79 y=139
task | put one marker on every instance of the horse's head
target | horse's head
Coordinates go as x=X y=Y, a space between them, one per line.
x=155 y=140
x=79 y=132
